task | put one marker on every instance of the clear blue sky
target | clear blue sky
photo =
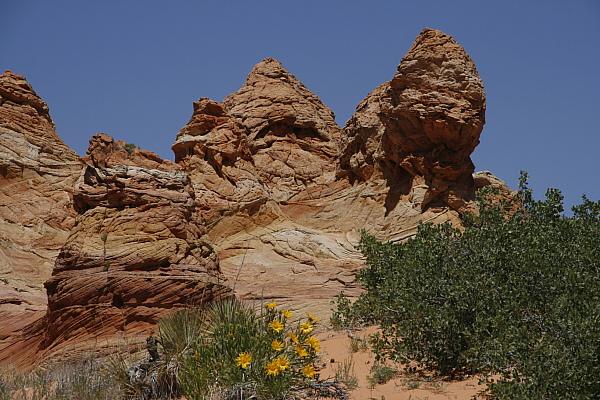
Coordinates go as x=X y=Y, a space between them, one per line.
x=133 y=68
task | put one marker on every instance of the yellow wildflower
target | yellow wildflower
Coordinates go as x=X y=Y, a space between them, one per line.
x=314 y=343
x=271 y=305
x=301 y=351
x=306 y=327
x=272 y=368
x=294 y=338
x=277 y=326
x=244 y=359
x=277 y=345
x=283 y=363
x=308 y=371
x=312 y=318
x=287 y=313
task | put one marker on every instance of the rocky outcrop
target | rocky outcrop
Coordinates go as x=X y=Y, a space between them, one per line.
x=418 y=130
x=286 y=195
x=213 y=147
x=292 y=135
x=247 y=156
x=486 y=178
x=104 y=151
x=136 y=251
x=265 y=199
x=37 y=174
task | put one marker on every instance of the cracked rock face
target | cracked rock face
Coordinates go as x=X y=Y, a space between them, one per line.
x=213 y=148
x=418 y=130
x=265 y=199
x=292 y=135
x=136 y=251
x=37 y=174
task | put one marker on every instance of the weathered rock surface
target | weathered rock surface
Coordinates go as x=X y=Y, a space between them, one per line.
x=263 y=252
x=486 y=178
x=418 y=130
x=292 y=194
x=37 y=174
x=213 y=146
x=104 y=151
x=292 y=135
x=267 y=196
x=135 y=252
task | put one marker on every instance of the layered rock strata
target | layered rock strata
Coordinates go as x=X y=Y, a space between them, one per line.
x=246 y=157
x=136 y=251
x=418 y=130
x=265 y=199
x=37 y=174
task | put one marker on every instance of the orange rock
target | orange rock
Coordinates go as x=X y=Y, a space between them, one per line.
x=292 y=135
x=136 y=252
x=37 y=174
x=267 y=197
x=418 y=130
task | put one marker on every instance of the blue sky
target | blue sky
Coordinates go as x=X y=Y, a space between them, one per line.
x=132 y=69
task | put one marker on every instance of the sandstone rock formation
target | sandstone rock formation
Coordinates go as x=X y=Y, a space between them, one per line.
x=213 y=147
x=418 y=130
x=103 y=151
x=292 y=135
x=285 y=195
x=263 y=252
x=37 y=175
x=135 y=252
x=486 y=178
x=265 y=199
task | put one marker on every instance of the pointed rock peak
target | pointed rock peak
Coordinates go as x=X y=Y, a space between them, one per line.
x=272 y=95
x=269 y=67
x=14 y=87
x=422 y=126
x=437 y=62
x=433 y=43
x=292 y=135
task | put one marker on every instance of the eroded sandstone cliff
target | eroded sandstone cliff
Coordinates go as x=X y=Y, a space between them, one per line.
x=37 y=174
x=137 y=249
x=265 y=199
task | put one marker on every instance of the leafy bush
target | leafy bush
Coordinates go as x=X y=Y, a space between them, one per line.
x=381 y=374
x=130 y=147
x=516 y=292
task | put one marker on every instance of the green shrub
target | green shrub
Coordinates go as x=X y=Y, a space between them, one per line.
x=233 y=347
x=517 y=292
x=381 y=374
x=130 y=147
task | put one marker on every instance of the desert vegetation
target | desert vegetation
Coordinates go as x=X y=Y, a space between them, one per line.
x=226 y=351
x=515 y=293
